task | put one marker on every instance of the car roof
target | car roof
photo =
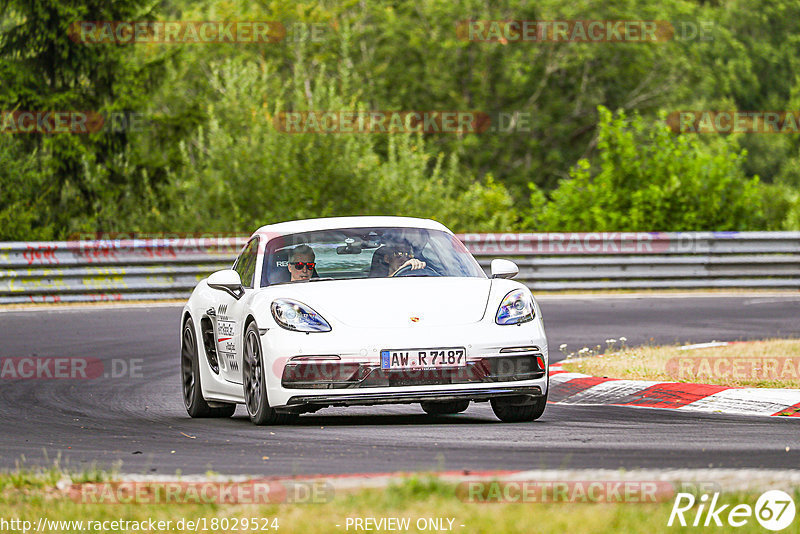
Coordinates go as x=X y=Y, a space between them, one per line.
x=330 y=223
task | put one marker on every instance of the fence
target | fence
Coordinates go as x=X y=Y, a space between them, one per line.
x=169 y=268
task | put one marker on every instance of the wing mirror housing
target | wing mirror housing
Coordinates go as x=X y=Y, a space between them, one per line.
x=504 y=269
x=227 y=280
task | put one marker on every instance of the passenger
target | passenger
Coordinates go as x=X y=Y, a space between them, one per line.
x=301 y=263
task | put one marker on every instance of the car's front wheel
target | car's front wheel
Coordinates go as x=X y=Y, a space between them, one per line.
x=516 y=410
x=444 y=408
x=255 y=385
x=193 y=399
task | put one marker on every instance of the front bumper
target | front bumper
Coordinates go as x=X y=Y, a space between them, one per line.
x=361 y=347
x=327 y=374
x=305 y=403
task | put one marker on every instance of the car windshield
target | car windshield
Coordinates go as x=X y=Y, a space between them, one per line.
x=367 y=253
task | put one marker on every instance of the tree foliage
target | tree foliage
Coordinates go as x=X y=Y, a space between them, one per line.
x=240 y=171
x=210 y=156
x=648 y=178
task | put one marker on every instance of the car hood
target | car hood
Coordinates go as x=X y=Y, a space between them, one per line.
x=394 y=302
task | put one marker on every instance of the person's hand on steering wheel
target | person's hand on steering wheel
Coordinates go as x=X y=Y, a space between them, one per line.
x=413 y=263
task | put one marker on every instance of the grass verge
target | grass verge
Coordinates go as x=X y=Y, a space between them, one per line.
x=772 y=363
x=26 y=497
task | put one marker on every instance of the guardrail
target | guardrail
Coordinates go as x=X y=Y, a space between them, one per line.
x=645 y=260
x=135 y=269
x=108 y=270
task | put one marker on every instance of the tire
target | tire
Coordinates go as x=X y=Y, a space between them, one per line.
x=508 y=409
x=193 y=400
x=255 y=384
x=444 y=408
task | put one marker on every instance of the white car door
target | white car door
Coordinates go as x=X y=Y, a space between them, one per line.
x=229 y=314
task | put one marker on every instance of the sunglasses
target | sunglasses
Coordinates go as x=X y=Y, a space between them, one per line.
x=303 y=264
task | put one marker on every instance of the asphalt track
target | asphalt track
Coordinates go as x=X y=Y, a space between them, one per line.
x=139 y=424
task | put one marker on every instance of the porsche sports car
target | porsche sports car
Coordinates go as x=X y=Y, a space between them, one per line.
x=353 y=311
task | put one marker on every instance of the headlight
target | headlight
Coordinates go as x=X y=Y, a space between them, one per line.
x=516 y=308
x=293 y=315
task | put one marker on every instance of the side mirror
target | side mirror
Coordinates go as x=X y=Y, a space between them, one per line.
x=227 y=280
x=504 y=269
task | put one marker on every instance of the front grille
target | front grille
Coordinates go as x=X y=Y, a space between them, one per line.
x=339 y=375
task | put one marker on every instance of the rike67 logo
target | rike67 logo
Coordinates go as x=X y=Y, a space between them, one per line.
x=774 y=510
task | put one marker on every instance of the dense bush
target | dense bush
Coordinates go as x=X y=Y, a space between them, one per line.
x=648 y=178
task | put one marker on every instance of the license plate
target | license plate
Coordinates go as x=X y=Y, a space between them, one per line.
x=423 y=358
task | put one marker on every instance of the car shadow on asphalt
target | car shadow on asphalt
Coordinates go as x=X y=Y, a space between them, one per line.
x=384 y=419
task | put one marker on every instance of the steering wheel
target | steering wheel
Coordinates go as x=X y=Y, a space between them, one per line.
x=407 y=271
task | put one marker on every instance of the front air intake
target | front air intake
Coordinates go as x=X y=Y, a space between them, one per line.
x=209 y=343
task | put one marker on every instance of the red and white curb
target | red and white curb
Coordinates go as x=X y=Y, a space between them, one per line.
x=577 y=388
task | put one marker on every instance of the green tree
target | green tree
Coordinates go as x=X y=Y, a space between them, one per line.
x=23 y=189
x=50 y=71
x=648 y=178
x=240 y=172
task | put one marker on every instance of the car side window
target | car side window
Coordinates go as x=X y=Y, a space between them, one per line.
x=246 y=263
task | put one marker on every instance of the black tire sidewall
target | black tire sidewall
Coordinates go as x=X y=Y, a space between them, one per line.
x=509 y=413
x=197 y=406
x=263 y=413
x=444 y=408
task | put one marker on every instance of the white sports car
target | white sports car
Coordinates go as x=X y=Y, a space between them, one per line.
x=361 y=311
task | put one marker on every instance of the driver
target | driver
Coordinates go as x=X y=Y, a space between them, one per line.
x=400 y=256
x=301 y=263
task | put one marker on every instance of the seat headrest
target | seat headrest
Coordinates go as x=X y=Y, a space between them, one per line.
x=276 y=271
x=379 y=267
